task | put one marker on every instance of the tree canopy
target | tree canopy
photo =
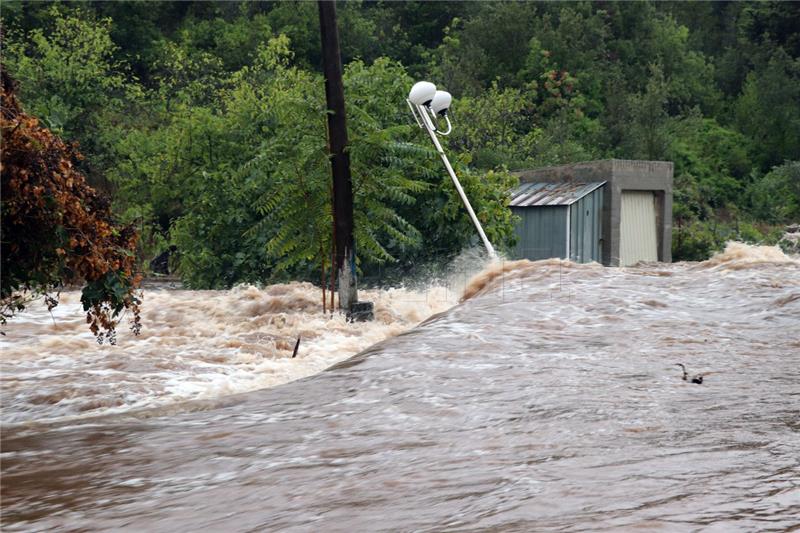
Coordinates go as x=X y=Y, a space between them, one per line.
x=204 y=121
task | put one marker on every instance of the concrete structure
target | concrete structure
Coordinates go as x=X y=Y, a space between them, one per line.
x=636 y=217
x=558 y=220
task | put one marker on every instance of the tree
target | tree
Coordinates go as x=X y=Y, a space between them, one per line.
x=645 y=135
x=767 y=110
x=171 y=100
x=58 y=230
x=776 y=197
x=70 y=78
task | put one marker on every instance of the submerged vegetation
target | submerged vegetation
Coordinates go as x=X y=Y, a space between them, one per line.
x=205 y=122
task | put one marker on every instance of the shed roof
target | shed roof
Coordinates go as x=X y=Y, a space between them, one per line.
x=534 y=194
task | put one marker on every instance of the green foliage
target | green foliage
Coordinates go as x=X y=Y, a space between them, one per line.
x=776 y=197
x=698 y=239
x=293 y=184
x=646 y=136
x=715 y=158
x=487 y=192
x=695 y=241
x=206 y=120
x=70 y=74
x=767 y=110
x=71 y=77
x=496 y=127
x=232 y=42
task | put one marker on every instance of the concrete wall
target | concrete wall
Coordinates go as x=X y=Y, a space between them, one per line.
x=620 y=175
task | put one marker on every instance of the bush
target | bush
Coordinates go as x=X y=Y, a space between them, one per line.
x=775 y=198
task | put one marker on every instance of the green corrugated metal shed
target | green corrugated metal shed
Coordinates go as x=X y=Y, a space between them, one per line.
x=637 y=201
x=559 y=220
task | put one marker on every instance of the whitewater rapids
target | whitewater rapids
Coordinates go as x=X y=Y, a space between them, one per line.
x=194 y=345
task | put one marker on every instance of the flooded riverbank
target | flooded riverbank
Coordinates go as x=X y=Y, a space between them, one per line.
x=549 y=399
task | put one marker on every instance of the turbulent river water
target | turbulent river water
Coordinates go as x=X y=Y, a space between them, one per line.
x=548 y=399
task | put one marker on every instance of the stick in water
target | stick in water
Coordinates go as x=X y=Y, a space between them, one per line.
x=296 y=346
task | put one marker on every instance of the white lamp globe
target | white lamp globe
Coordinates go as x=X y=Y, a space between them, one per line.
x=441 y=102
x=422 y=93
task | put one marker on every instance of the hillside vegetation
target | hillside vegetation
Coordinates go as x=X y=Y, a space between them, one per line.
x=205 y=121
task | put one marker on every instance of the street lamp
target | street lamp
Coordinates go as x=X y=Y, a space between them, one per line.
x=429 y=108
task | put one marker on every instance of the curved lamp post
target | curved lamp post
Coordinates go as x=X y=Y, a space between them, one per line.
x=429 y=108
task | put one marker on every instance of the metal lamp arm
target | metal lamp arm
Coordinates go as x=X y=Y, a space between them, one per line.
x=449 y=127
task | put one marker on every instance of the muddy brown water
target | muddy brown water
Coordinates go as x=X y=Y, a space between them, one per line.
x=548 y=400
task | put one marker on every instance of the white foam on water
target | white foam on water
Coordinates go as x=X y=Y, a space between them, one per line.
x=195 y=345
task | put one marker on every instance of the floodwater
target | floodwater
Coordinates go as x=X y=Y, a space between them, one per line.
x=548 y=400
x=194 y=345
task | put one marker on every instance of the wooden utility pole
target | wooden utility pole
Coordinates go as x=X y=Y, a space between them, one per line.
x=345 y=264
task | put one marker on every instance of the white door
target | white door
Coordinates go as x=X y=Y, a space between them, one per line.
x=638 y=239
